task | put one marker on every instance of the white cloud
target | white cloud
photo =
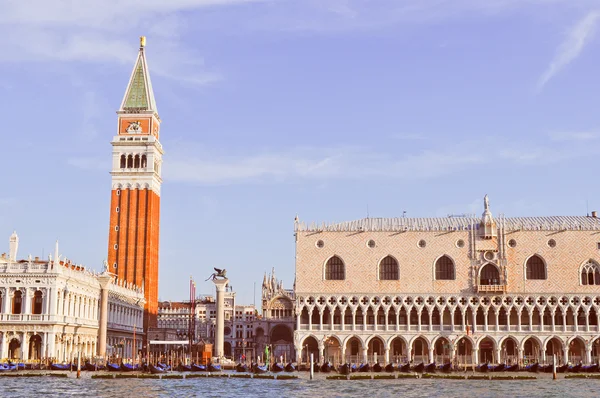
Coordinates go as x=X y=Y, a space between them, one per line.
x=574 y=136
x=574 y=42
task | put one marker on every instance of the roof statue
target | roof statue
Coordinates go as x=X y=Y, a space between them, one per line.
x=486 y=202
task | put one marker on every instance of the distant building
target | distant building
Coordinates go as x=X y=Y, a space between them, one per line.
x=52 y=309
x=175 y=317
x=276 y=325
x=470 y=289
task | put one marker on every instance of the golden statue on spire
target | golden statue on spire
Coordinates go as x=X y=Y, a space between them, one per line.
x=142 y=41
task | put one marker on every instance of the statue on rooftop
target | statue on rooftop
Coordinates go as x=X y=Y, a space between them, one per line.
x=486 y=202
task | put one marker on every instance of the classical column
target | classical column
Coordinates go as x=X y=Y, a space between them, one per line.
x=365 y=353
x=220 y=284
x=485 y=321
x=475 y=355
x=298 y=314
x=320 y=319
x=3 y=342
x=418 y=321
x=430 y=354
x=27 y=302
x=452 y=320
x=104 y=280
x=498 y=351
x=321 y=353
x=353 y=319
x=310 y=318
x=25 y=346
x=343 y=359
x=343 y=319
x=588 y=355
x=553 y=321
x=6 y=303
x=387 y=355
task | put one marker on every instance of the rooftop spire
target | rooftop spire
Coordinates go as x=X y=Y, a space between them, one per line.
x=139 y=96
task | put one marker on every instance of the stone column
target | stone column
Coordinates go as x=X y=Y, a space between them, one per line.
x=387 y=355
x=50 y=351
x=298 y=314
x=25 y=346
x=475 y=356
x=588 y=355
x=3 y=342
x=353 y=319
x=6 y=303
x=27 y=302
x=322 y=358
x=220 y=284
x=365 y=355
x=310 y=318
x=431 y=355
x=104 y=280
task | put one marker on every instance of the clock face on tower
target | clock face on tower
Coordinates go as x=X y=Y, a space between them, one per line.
x=134 y=128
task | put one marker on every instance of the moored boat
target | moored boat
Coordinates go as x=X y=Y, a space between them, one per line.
x=445 y=367
x=58 y=366
x=184 y=368
x=391 y=367
x=198 y=368
x=377 y=368
x=214 y=367
x=532 y=367
x=418 y=368
x=364 y=367
x=277 y=367
x=316 y=367
x=344 y=369
x=241 y=367
x=562 y=368
x=259 y=369
x=482 y=367
x=5 y=367
x=404 y=368
x=127 y=367
x=156 y=369
x=512 y=368
x=590 y=368
x=430 y=368
x=327 y=367
x=290 y=367
x=575 y=368
x=497 y=368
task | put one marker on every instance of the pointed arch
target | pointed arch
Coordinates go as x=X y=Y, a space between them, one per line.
x=389 y=269
x=589 y=273
x=123 y=162
x=335 y=269
x=489 y=274
x=535 y=268
x=444 y=268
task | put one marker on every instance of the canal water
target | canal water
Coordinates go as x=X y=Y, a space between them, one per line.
x=219 y=387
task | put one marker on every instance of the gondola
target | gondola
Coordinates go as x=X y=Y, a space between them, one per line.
x=6 y=367
x=512 y=368
x=430 y=368
x=344 y=369
x=32 y=366
x=445 y=367
x=545 y=368
x=90 y=367
x=213 y=367
x=184 y=368
x=377 y=368
x=590 y=368
x=404 y=368
x=316 y=367
x=156 y=369
x=57 y=366
x=277 y=367
x=20 y=366
x=241 y=367
x=354 y=368
x=198 y=368
x=364 y=367
x=419 y=368
x=482 y=367
x=327 y=367
x=562 y=368
x=290 y=367
x=127 y=367
x=113 y=367
x=259 y=369
x=497 y=368
x=575 y=368
x=391 y=367
x=164 y=366
x=532 y=367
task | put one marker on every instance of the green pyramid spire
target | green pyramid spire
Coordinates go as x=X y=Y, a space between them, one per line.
x=139 y=96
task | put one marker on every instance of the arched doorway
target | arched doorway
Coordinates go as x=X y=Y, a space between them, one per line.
x=464 y=350
x=310 y=346
x=17 y=302
x=420 y=350
x=333 y=350
x=14 y=349
x=354 y=350
x=398 y=351
x=509 y=351
x=37 y=301
x=486 y=350
x=375 y=350
x=531 y=351
x=35 y=347
x=282 y=342
x=227 y=349
x=442 y=350
x=554 y=347
x=596 y=351
x=577 y=350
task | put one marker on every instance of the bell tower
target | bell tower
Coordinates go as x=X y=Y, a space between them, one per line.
x=133 y=235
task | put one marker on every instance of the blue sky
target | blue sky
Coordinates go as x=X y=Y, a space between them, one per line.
x=325 y=109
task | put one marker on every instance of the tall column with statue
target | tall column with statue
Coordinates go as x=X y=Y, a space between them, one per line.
x=105 y=278
x=220 y=280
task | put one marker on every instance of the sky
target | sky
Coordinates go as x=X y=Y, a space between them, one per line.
x=332 y=110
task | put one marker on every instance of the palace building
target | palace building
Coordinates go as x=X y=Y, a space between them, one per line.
x=56 y=309
x=133 y=236
x=457 y=288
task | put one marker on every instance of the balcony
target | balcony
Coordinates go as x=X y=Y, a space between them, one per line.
x=491 y=288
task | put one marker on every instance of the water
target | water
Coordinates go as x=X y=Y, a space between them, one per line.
x=218 y=387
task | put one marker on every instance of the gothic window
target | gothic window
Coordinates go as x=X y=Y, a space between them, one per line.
x=489 y=275
x=334 y=269
x=388 y=269
x=17 y=301
x=129 y=161
x=444 y=269
x=136 y=161
x=1 y=301
x=535 y=267
x=144 y=161
x=123 y=161
x=590 y=274
x=37 y=302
